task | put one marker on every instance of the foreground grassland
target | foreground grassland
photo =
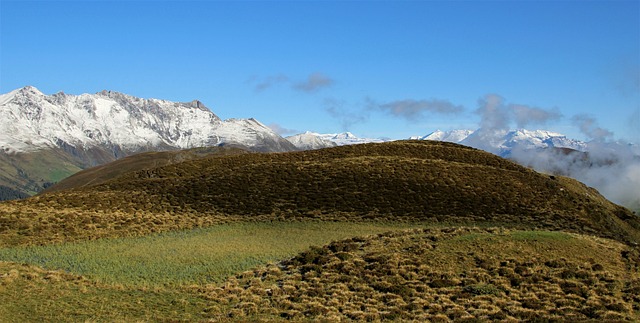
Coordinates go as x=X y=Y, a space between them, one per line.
x=31 y=294
x=436 y=274
x=188 y=257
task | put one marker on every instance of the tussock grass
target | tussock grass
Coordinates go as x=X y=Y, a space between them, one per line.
x=443 y=274
x=437 y=274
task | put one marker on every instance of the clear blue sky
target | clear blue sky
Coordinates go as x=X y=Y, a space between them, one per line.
x=378 y=69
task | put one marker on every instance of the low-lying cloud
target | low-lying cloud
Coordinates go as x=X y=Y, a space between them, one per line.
x=613 y=168
x=589 y=127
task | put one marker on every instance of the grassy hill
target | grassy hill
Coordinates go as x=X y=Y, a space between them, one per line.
x=409 y=181
x=284 y=236
x=435 y=274
x=28 y=174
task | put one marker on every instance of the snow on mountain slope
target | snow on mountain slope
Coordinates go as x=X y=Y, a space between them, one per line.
x=252 y=133
x=502 y=142
x=33 y=121
x=309 y=141
x=454 y=136
x=347 y=138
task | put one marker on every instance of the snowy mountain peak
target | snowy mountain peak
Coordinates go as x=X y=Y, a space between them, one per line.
x=340 y=139
x=30 y=90
x=345 y=135
x=449 y=136
x=33 y=121
x=310 y=141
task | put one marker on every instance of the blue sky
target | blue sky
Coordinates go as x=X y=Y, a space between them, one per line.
x=378 y=69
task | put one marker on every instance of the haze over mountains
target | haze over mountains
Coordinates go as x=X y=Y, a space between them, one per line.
x=45 y=138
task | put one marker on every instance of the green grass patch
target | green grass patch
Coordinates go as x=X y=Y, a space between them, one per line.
x=30 y=294
x=188 y=257
x=531 y=236
x=541 y=236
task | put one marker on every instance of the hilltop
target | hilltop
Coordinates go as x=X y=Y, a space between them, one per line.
x=408 y=181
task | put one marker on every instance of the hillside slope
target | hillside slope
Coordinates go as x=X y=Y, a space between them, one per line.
x=415 y=181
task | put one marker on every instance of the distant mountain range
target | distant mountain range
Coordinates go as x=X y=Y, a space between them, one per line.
x=500 y=143
x=118 y=124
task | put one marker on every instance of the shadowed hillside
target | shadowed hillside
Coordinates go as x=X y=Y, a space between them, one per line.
x=100 y=174
x=414 y=181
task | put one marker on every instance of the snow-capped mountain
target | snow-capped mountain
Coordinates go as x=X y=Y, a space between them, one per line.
x=503 y=142
x=449 y=136
x=347 y=138
x=313 y=140
x=309 y=141
x=33 y=121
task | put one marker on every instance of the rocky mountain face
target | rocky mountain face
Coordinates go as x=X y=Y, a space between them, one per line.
x=44 y=138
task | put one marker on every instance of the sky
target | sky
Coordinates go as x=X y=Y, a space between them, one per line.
x=380 y=69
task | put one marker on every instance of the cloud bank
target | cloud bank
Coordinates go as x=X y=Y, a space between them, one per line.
x=613 y=168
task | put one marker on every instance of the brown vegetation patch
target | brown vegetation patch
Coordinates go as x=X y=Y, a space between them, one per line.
x=440 y=275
